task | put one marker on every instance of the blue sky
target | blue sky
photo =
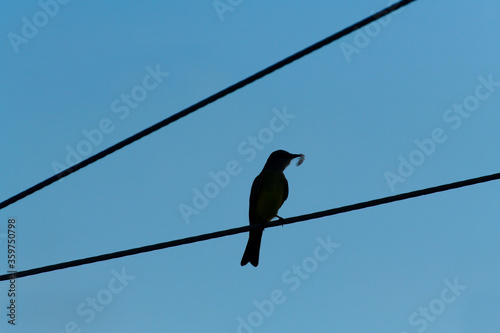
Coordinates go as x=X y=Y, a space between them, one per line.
x=404 y=104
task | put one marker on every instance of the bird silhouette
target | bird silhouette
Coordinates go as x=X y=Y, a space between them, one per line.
x=269 y=191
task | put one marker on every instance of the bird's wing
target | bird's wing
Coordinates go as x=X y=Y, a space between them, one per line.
x=254 y=194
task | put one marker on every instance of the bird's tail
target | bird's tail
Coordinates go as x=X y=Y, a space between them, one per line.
x=252 y=250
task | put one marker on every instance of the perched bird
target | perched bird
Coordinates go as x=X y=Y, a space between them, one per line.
x=269 y=192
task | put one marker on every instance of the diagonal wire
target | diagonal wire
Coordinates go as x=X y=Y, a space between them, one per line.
x=205 y=102
x=234 y=231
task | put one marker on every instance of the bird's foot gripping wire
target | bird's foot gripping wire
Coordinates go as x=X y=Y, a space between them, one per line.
x=280 y=218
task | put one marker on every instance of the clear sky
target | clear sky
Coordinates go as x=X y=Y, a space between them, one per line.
x=407 y=103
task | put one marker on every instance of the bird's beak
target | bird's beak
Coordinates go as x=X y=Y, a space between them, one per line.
x=301 y=158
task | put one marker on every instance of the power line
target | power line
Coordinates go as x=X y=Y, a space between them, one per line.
x=234 y=231
x=204 y=102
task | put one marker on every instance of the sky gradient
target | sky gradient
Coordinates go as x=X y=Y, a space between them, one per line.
x=406 y=103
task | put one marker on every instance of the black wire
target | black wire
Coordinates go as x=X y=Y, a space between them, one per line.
x=234 y=231
x=203 y=103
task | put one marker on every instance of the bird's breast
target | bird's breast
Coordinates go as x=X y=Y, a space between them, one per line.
x=271 y=195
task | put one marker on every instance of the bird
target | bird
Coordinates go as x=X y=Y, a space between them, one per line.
x=269 y=192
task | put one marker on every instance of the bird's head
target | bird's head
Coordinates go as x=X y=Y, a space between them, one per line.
x=280 y=159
